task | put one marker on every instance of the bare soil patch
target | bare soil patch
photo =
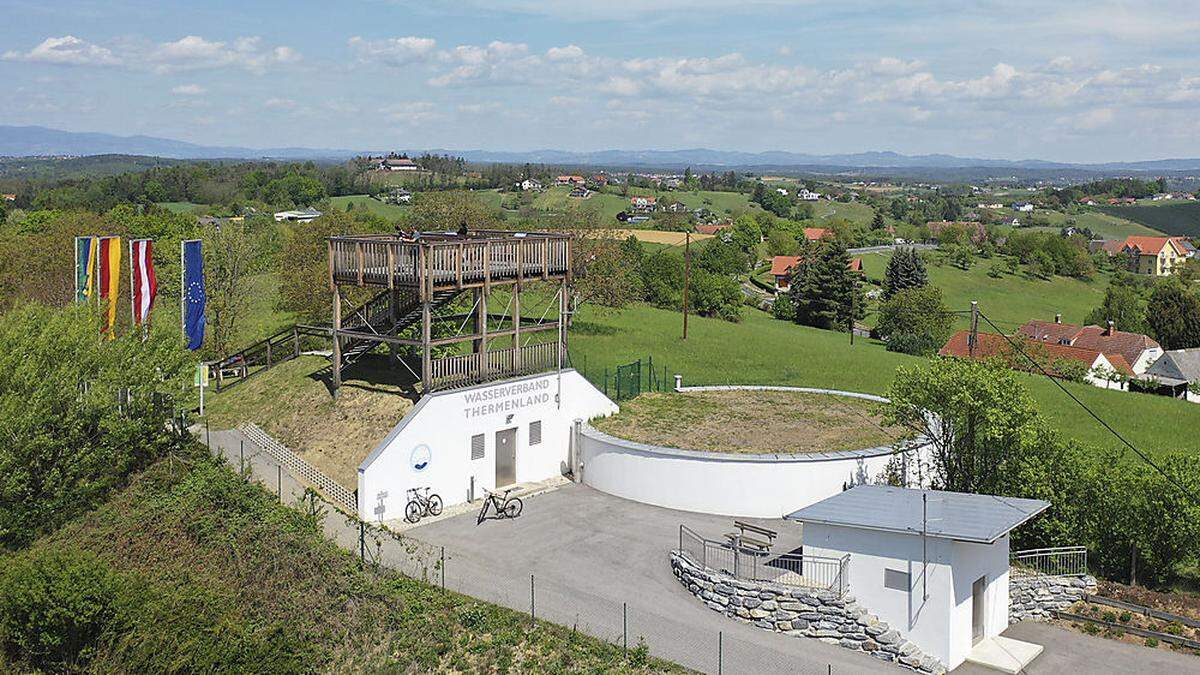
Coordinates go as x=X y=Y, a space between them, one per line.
x=751 y=422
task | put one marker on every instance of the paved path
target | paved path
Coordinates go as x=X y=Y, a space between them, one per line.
x=1066 y=651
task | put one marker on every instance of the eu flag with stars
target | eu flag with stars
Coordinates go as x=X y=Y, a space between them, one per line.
x=193 y=293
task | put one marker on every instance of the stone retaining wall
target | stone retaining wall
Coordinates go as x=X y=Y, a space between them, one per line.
x=1032 y=596
x=801 y=612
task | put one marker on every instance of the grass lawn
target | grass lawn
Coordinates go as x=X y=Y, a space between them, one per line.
x=751 y=422
x=762 y=350
x=1172 y=217
x=389 y=211
x=1010 y=300
x=180 y=207
x=1106 y=225
x=610 y=204
x=855 y=212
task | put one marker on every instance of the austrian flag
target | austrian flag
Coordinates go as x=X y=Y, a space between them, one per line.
x=145 y=287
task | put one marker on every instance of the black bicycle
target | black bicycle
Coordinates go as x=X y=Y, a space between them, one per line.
x=504 y=505
x=420 y=505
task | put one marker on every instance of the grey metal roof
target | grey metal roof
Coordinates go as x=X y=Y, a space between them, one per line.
x=950 y=515
x=1177 y=366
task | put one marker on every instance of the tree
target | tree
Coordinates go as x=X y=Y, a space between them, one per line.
x=904 y=270
x=1173 y=316
x=746 y=233
x=974 y=413
x=228 y=256
x=825 y=291
x=780 y=242
x=303 y=264
x=915 y=321
x=450 y=209
x=1123 y=306
x=877 y=221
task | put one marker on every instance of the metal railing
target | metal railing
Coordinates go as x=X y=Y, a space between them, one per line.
x=1060 y=561
x=788 y=569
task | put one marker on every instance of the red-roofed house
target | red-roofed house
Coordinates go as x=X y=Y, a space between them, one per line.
x=817 y=233
x=1100 y=366
x=1140 y=351
x=713 y=229
x=642 y=203
x=784 y=266
x=1157 y=256
x=568 y=180
x=8 y=197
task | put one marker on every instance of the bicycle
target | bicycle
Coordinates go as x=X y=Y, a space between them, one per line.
x=421 y=505
x=504 y=505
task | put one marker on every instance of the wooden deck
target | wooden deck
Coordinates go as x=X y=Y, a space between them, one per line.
x=436 y=260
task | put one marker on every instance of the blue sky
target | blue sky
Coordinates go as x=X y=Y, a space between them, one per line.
x=1068 y=80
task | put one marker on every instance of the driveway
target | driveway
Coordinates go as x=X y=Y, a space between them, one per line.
x=594 y=556
x=1066 y=651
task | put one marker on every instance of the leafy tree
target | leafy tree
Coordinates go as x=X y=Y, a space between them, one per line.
x=229 y=255
x=975 y=414
x=303 y=264
x=447 y=210
x=825 y=291
x=781 y=242
x=904 y=270
x=721 y=258
x=68 y=441
x=783 y=307
x=1123 y=306
x=877 y=221
x=915 y=321
x=746 y=233
x=715 y=295
x=1173 y=316
x=612 y=276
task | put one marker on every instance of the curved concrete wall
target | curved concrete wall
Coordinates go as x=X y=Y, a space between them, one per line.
x=760 y=486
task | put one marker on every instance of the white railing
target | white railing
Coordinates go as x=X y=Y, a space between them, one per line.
x=302 y=470
x=1061 y=561
x=788 y=569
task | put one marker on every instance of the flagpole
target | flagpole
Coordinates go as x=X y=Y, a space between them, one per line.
x=76 y=298
x=182 y=304
x=132 y=307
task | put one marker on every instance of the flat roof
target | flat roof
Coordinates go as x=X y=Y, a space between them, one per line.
x=949 y=515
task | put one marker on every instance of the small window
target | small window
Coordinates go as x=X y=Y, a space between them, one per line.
x=477 y=446
x=535 y=432
x=896 y=580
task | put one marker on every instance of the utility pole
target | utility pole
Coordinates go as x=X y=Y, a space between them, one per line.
x=850 y=319
x=687 y=275
x=973 y=339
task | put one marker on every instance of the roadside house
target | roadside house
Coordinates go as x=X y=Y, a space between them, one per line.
x=784 y=266
x=642 y=203
x=1102 y=370
x=1139 y=351
x=568 y=180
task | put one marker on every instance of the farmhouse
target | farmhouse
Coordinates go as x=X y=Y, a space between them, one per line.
x=1174 y=374
x=8 y=197
x=932 y=565
x=1100 y=369
x=641 y=203
x=714 y=228
x=579 y=192
x=1140 y=351
x=1156 y=256
x=1023 y=207
x=397 y=164
x=783 y=267
x=814 y=234
x=804 y=195
x=568 y=180
x=529 y=184
x=299 y=216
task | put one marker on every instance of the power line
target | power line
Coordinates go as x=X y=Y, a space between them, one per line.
x=1145 y=458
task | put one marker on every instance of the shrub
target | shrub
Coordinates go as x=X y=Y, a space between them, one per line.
x=1091 y=628
x=1125 y=617
x=1151 y=642
x=56 y=606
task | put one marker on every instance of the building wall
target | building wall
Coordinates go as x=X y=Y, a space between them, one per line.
x=970 y=562
x=928 y=613
x=431 y=446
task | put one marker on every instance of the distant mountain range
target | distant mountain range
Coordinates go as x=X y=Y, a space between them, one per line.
x=32 y=140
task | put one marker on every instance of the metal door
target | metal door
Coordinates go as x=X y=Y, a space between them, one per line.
x=506 y=457
x=978 y=609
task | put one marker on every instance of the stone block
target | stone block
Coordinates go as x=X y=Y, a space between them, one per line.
x=887 y=637
x=770 y=605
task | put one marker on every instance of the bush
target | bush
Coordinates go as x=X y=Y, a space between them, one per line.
x=1151 y=642
x=917 y=344
x=57 y=606
x=783 y=308
x=915 y=321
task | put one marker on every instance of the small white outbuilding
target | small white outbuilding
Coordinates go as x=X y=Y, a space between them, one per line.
x=932 y=564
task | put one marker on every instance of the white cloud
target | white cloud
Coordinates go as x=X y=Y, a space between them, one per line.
x=498 y=62
x=67 y=50
x=1089 y=120
x=279 y=104
x=188 y=90
x=193 y=52
x=890 y=65
x=393 y=51
x=568 y=53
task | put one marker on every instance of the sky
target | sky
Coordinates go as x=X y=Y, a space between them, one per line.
x=1069 y=80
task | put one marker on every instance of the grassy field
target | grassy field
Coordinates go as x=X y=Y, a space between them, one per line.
x=1105 y=225
x=389 y=211
x=206 y=572
x=750 y=422
x=762 y=350
x=1171 y=218
x=1010 y=300
x=610 y=204
x=180 y=207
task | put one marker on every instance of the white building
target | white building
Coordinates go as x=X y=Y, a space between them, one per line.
x=1023 y=207
x=529 y=184
x=933 y=565
x=781 y=191
x=461 y=441
x=806 y=196
x=299 y=215
x=397 y=164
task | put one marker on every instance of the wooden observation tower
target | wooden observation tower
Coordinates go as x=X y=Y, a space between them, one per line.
x=421 y=277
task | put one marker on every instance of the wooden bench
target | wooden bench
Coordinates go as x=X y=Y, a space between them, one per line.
x=741 y=539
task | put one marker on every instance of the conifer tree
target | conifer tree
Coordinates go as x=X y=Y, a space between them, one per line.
x=826 y=293
x=904 y=270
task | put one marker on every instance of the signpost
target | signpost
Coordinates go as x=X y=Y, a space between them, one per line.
x=201 y=381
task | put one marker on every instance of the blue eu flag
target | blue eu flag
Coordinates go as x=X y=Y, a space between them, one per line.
x=193 y=293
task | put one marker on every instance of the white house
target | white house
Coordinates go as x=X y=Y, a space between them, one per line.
x=806 y=196
x=529 y=184
x=781 y=191
x=933 y=565
x=298 y=215
x=493 y=435
x=1023 y=207
x=397 y=164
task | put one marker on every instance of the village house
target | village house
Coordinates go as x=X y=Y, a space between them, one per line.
x=1139 y=351
x=814 y=234
x=1154 y=256
x=805 y=196
x=642 y=203
x=676 y=207
x=579 y=192
x=1174 y=374
x=397 y=164
x=529 y=184
x=1102 y=370
x=1022 y=207
x=8 y=197
x=714 y=228
x=568 y=180
x=784 y=266
x=782 y=191
x=298 y=215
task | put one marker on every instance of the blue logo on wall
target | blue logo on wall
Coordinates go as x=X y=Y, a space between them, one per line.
x=421 y=455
